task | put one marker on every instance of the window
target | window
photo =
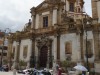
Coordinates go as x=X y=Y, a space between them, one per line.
x=71 y=7
x=25 y=49
x=45 y=21
x=68 y=48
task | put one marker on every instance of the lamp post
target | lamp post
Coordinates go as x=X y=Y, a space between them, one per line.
x=87 y=53
x=86 y=22
x=6 y=32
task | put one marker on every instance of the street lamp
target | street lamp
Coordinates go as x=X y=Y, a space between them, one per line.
x=87 y=21
x=6 y=32
x=87 y=53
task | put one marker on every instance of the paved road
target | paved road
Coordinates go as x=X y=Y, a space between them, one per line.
x=11 y=73
x=8 y=73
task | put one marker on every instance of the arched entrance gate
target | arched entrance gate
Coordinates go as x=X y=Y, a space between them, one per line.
x=44 y=45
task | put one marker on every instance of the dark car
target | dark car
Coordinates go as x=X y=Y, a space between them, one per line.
x=6 y=68
x=1 y=69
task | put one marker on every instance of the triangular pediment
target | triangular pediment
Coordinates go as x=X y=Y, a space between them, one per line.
x=43 y=5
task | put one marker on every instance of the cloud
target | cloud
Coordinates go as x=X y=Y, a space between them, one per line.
x=15 y=13
x=87 y=7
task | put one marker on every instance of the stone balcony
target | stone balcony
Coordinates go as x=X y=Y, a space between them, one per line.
x=43 y=30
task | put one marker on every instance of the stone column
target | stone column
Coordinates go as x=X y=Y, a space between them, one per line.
x=48 y=57
x=38 y=53
x=18 y=54
x=55 y=50
x=54 y=18
x=32 y=56
x=33 y=20
x=10 y=52
x=96 y=46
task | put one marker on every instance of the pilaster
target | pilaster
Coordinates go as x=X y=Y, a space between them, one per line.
x=54 y=18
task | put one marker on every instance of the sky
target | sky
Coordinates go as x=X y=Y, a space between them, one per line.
x=14 y=14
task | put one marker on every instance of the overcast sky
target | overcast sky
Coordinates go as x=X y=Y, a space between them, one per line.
x=15 y=13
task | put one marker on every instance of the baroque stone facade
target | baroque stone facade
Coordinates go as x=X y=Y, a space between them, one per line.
x=59 y=31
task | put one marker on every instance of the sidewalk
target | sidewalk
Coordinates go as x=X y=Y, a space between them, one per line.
x=8 y=73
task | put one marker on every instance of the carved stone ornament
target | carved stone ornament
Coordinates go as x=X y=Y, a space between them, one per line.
x=44 y=40
x=44 y=5
x=54 y=1
x=66 y=19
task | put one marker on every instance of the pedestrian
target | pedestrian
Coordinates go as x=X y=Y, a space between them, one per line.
x=59 y=71
x=56 y=68
x=83 y=73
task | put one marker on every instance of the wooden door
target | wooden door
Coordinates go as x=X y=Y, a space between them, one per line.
x=43 y=56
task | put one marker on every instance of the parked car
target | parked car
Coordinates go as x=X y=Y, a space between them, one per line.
x=25 y=71
x=6 y=68
x=1 y=69
x=34 y=72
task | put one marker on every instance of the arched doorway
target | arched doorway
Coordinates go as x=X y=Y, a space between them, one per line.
x=43 y=56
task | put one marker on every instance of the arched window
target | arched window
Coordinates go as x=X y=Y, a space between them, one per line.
x=25 y=49
x=68 y=48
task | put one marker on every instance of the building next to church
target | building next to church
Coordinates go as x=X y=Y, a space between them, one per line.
x=3 y=48
x=96 y=15
x=59 y=30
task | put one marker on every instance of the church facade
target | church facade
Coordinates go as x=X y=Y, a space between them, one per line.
x=59 y=30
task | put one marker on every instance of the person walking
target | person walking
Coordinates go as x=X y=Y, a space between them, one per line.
x=59 y=71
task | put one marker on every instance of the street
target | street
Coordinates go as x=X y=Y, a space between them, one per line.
x=11 y=73
x=8 y=73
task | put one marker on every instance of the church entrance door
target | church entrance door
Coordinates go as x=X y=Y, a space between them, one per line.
x=43 y=56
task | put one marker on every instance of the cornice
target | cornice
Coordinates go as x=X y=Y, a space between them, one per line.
x=48 y=6
x=72 y=1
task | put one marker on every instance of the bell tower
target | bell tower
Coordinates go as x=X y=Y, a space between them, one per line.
x=79 y=6
x=94 y=8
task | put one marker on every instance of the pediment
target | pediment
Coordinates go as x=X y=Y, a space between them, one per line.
x=42 y=6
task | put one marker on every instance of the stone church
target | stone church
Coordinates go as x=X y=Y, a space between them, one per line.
x=58 y=30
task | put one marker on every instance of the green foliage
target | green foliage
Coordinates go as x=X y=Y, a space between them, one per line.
x=22 y=63
x=80 y=74
x=65 y=63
